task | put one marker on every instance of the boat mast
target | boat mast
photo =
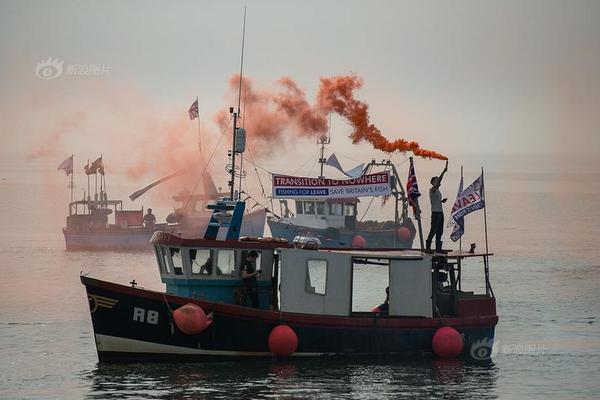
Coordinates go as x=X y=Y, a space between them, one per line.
x=236 y=115
x=323 y=140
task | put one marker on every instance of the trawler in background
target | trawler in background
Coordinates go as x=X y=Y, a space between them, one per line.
x=88 y=226
x=335 y=220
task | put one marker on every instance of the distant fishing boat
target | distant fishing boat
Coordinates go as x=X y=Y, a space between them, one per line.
x=335 y=220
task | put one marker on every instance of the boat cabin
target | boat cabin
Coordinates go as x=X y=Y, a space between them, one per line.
x=320 y=282
x=322 y=214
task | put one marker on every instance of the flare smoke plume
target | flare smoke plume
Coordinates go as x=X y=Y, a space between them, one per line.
x=272 y=113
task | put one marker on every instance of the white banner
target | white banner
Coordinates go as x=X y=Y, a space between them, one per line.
x=296 y=187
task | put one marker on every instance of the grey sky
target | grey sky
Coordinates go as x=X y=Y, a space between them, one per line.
x=490 y=77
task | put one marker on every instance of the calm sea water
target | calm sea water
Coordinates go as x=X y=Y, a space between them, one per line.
x=544 y=229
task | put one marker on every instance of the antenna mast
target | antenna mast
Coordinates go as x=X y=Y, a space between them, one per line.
x=237 y=114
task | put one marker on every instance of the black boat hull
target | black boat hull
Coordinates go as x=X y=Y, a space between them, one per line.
x=135 y=324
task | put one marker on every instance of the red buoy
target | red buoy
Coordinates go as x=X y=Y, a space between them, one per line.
x=283 y=341
x=403 y=233
x=191 y=319
x=376 y=309
x=359 y=241
x=447 y=342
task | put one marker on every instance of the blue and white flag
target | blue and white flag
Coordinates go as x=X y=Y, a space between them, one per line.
x=354 y=173
x=468 y=200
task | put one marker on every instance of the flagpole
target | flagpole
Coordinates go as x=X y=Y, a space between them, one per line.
x=200 y=146
x=460 y=238
x=484 y=212
x=72 y=172
x=418 y=214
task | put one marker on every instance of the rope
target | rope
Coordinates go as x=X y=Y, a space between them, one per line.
x=206 y=166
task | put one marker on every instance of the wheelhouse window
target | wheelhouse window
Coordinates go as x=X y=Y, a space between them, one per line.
x=201 y=261
x=299 y=208
x=177 y=260
x=320 y=208
x=349 y=210
x=165 y=260
x=309 y=207
x=335 y=209
x=316 y=276
x=225 y=262
x=258 y=259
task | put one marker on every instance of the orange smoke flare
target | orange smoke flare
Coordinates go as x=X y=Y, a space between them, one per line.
x=337 y=94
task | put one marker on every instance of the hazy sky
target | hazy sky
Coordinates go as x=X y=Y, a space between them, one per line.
x=460 y=77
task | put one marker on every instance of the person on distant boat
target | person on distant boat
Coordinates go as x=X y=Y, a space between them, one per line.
x=437 y=212
x=249 y=275
x=149 y=219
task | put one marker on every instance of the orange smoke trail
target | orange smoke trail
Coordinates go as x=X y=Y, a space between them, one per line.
x=272 y=114
x=337 y=94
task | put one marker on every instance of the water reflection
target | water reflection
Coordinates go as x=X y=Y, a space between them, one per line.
x=365 y=379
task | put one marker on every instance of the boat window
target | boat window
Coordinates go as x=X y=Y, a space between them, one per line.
x=165 y=260
x=299 y=207
x=177 y=260
x=258 y=259
x=349 y=210
x=225 y=262
x=335 y=209
x=309 y=207
x=316 y=276
x=320 y=208
x=201 y=261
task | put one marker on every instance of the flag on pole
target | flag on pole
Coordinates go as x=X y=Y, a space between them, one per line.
x=457 y=225
x=66 y=166
x=86 y=168
x=468 y=200
x=94 y=167
x=354 y=173
x=193 y=111
x=412 y=189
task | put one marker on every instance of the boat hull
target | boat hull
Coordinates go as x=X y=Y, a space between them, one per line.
x=342 y=238
x=138 y=239
x=135 y=324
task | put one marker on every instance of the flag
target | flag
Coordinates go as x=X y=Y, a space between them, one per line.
x=94 y=167
x=457 y=226
x=193 y=111
x=66 y=166
x=354 y=173
x=468 y=200
x=412 y=189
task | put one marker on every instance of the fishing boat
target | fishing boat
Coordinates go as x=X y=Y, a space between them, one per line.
x=336 y=221
x=303 y=305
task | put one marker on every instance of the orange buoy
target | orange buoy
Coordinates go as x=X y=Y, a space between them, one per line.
x=403 y=233
x=283 y=341
x=191 y=319
x=447 y=342
x=359 y=241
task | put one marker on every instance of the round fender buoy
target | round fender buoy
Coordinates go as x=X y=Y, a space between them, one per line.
x=359 y=241
x=403 y=233
x=191 y=319
x=447 y=342
x=376 y=309
x=283 y=341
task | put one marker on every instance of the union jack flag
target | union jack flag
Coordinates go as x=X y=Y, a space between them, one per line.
x=412 y=190
x=194 y=110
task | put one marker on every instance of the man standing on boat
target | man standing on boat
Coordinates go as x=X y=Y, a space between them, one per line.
x=149 y=219
x=437 y=212
x=249 y=275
